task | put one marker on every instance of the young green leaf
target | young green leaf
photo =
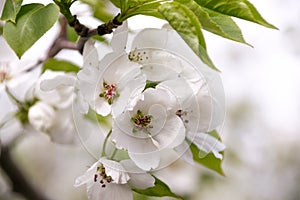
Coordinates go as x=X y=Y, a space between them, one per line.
x=186 y=23
x=237 y=8
x=214 y=22
x=71 y=34
x=96 y=118
x=32 y=22
x=207 y=160
x=144 y=7
x=160 y=189
x=119 y=3
x=99 y=10
x=10 y=10
x=60 y=65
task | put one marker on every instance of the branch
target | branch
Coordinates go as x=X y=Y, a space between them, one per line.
x=61 y=41
x=85 y=33
x=19 y=182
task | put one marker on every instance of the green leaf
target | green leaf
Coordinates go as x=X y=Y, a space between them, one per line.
x=72 y=36
x=118 y=3
x=186 y=23
x=100 y=10
x=214 y=22
x=32 y=22
x=60 y=65
x=10 y=10
x=207 y=160
x=215 y=134
x=144 y=7
x=1 y=29
x=237 y=8
x=160 y=189
x=150 y=84
x=96 y=118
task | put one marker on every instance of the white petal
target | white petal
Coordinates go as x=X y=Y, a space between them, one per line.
x=82 y=105
x=146 y=161
x=172 y=134
x=208 y=143
x=110 y=192
x=89 y=75
x=115 y=170
x=150 y=38
x=123 y=136
x=131 y=87
x=160 y=65
x=101 y=106
x=118 y=67
x=62 y=80
x=185 y=152
x=157 y=96
x=119 y=39
x=138 y=178
x=159 y=118
x=88 y=176
x=211 y=109
x=90 y=55
x=178 y=87
x=41 y=116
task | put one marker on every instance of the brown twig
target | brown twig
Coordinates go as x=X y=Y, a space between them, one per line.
x=20 y=184
x=85 y=33
x=61 y=41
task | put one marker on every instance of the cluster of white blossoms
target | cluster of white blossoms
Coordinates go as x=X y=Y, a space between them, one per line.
x=161 y=98
x=34 y=101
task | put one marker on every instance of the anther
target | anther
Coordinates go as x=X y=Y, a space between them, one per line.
x=95 y=178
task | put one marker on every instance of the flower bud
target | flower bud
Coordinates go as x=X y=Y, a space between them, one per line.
x=41 y=116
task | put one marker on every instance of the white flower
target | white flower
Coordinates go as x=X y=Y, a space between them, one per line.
x=208 y=143
x=13 y=72
x=56 y=88
x=41 y=116
x=111 y=180
x=200 y=112
x=151 y=126
x=167 y=60
x=109 y=86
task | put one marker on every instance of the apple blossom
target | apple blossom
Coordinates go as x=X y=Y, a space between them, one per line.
x=198 y=89
x=151 y=126
x=41 y=116
x=108 y=179
x=110 y=85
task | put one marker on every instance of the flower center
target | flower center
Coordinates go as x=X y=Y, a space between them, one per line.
x=135 y=56
x=109 y=92
x=102 y=177
x=4 y=74
x=141 y=122
x=182 y=114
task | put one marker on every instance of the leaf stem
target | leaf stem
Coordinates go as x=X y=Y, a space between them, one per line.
x=105 y=144
x=114 y=154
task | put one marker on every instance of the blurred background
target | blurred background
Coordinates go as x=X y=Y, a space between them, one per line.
x=261 y=130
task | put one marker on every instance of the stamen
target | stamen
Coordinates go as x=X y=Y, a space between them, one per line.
x=109 y=92
x=104 y=178
x=141 y=122
x=182 y=114
x=135 y=56
x=95 y=178
x=4 y=72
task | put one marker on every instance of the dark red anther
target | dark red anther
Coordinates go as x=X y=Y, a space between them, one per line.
x=95 y=178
